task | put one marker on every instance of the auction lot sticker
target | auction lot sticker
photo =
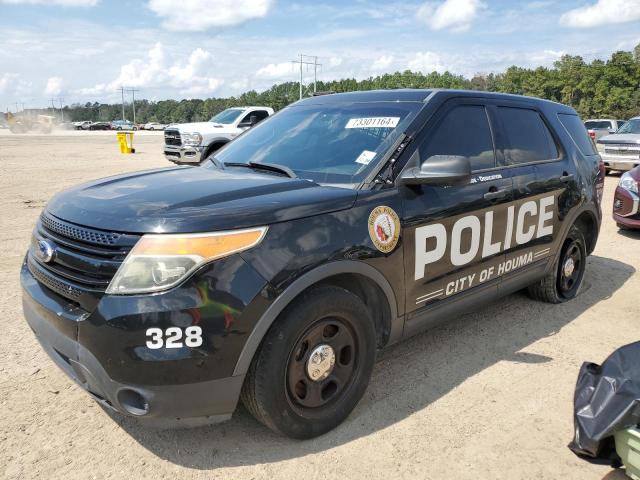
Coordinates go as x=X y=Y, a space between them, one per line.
x=384 y=228
x=373 y=122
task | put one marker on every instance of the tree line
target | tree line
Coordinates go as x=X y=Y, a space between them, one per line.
x=600 y=88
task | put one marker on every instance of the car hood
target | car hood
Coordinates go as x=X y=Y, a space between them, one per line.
x=195 y=199
x=200 y=127
x=620 y=138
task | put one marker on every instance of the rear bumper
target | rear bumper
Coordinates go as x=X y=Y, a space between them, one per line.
x=183 y=154
x=57 y=324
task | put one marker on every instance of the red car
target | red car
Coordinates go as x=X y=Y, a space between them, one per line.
x=626 y=202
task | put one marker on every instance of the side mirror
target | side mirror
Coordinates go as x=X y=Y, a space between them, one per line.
x=253 y=119
x=441 y=170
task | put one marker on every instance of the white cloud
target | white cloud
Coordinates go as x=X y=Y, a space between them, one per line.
x=5 y=80
x=199 y=15
x=276 y=70
x=335 y=62
x=157 y=70
x=603 y=12
x=54 y=86
x=381 y=63
x=12 y=84
x=455 y=15
x=426 y=62
x=546 y=57
x=61 y=3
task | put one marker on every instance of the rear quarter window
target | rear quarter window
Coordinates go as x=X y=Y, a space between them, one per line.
x=528 y=137
x=577 y=132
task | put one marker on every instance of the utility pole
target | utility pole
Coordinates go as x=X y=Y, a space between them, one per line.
x=61 y=99
x=304 y=60
x=122 y=93
x=133 y=101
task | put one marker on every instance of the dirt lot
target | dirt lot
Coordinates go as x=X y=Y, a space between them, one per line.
x=487 y=396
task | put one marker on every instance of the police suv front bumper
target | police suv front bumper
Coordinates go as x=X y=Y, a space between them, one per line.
x=58 y=326
x=183 y=154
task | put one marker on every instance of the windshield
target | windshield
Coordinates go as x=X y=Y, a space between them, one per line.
x=325 y=143
x=226 y=116
x=632 y=126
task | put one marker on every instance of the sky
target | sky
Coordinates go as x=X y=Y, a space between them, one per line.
x=85 y=50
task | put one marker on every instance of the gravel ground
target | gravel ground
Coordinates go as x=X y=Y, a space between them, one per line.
x=485 y=396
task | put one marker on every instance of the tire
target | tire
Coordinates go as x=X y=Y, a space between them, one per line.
x=279 y=389
x=559 y=286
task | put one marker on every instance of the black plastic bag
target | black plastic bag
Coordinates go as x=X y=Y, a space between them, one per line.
x=607 y=399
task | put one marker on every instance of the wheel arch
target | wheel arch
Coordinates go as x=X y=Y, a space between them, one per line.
x=357 y=277
x=586 y=221
x=214 y=145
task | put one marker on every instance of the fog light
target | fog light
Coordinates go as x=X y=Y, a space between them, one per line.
x=133 y=402
x=617 y=204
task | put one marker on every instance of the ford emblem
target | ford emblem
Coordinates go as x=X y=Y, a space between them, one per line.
x=46 y=251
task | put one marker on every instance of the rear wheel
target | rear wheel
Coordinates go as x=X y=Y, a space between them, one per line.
x=313 y=365
x=565 y=280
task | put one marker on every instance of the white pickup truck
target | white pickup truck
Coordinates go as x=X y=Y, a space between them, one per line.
x=194 y=142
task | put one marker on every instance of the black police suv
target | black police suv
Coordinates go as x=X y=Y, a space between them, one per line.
x=275 y=271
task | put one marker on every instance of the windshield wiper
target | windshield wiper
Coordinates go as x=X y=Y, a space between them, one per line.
x=268 y=167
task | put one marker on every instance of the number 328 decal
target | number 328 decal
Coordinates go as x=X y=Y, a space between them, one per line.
x=172 y=337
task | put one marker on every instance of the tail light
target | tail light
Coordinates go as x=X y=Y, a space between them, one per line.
x=592 y=134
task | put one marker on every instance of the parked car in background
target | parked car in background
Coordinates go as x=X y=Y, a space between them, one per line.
x=621 y=150
x=626 y=201
x=600 y=127
x=154 y=126
x=82 y=125
x=195 y=142
x=123 y=125
x=100 y=126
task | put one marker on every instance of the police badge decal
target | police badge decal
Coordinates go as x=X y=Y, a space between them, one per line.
x=384 y=228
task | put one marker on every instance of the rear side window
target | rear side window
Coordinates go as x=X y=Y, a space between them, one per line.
x=528 y=138
x=578 y=133
x=598 y=124
x=464 y=131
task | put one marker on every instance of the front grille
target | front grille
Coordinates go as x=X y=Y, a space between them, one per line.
x=625 y=149
x=84 y=262
x=172 y=137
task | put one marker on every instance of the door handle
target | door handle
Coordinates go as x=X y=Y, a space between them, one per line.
x=566 y=177
x=496 y=194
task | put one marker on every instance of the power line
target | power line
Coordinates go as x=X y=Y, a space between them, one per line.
x=304 y=61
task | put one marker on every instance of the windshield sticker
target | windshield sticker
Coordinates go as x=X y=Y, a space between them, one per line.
x=365 y=157
x=373 y=122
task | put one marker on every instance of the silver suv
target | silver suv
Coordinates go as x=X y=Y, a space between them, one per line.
x=621 y=150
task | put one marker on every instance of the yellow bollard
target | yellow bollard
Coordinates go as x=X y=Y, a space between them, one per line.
x=126 y=144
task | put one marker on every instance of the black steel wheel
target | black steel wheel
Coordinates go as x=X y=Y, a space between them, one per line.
x=314 y=364
x=564 y=281
x=571 y=268
x=322 y=364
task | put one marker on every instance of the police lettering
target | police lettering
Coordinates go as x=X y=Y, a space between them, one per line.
x=432 y=240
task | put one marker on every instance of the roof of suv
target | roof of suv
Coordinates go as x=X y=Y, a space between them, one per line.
x=417 y=95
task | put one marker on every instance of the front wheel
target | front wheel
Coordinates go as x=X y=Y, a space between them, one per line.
x=565 y=280
x=314 y=364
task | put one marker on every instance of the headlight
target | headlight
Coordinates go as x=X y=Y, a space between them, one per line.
x=628 y=182
x=191 y=139
x=159 y=262
x=600 y=147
